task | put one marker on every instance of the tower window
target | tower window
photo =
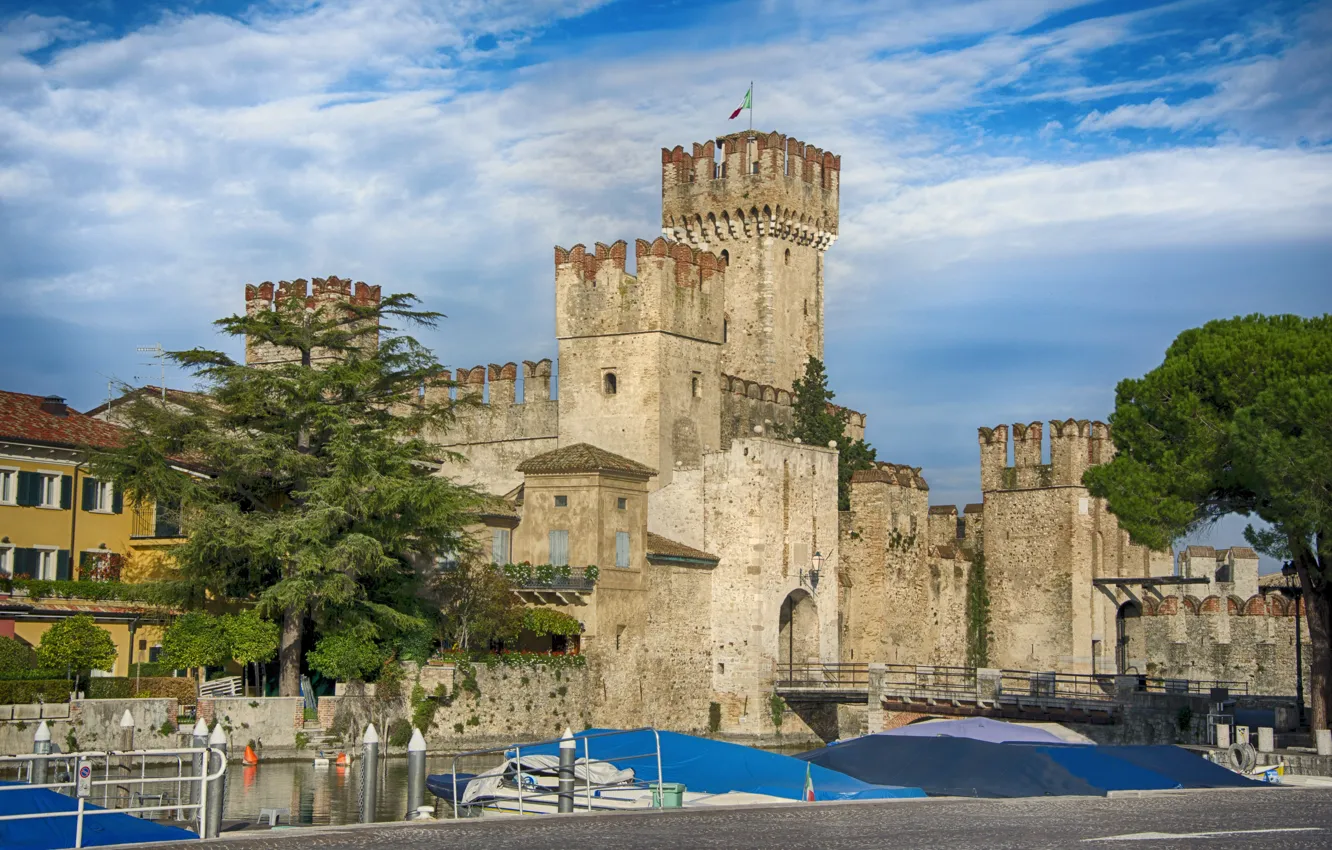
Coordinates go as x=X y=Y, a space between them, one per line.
x=561 y=501
x=726 y=256
x=622 y=503
x=725 y=328
x=804 y=305
x=608 y=383
x=788 y=256
x=696 y=386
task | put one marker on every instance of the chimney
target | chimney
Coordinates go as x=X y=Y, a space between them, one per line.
x=54 y=405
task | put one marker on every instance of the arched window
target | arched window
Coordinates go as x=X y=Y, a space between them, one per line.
x=694 y=388
x=609 y=383
x=726 y=256
x=788 y=256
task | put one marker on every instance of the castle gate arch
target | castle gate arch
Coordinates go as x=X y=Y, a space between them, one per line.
x=1128 y=634
x=798 y=630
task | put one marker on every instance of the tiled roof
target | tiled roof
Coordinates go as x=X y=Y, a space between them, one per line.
x=666 y=548
x=179 y=396
x=55 y=605
x=22 y=418
x=1200 y=552
x=943 y=510
x=581 y=457
x=1242 y=552
x=974 y=508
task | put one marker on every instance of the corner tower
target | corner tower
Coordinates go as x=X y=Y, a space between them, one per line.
x=767 y=204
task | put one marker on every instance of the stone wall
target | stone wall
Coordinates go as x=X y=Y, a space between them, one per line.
x=271 y=722
x=95 y=724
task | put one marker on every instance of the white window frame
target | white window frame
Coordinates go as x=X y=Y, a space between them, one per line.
x=49 y=555
x=52 y=478
x=104 y=499
x=11 y=474
x=6 y=560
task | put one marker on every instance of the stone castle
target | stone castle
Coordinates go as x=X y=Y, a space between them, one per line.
x=722 y=555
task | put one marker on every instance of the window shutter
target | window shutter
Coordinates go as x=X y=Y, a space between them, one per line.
x=25 y=563
x=62 y=565
x=117 y=500
x=29 y=485
x=89 y=493
x=559 y=548
x=499 y=546
x=66 y=492
x=621 y=548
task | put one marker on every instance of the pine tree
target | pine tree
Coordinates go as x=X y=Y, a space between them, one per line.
x=315 y=493
x=818 y=422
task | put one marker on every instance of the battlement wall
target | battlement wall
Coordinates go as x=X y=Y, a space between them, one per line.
x=1075 y=446
x=746 y=404
x=749 y=184
x=322 y=293
x=677 y=289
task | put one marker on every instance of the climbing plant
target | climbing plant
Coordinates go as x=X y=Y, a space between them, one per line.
x=546 y=621
x=978 y=614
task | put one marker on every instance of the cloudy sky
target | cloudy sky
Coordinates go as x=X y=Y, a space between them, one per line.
x=1036 y=196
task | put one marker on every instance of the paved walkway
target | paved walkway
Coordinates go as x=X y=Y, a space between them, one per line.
x=1292 y=819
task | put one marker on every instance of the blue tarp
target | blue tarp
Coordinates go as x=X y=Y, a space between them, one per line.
x=969 y=768
x=54 y=833
x=978 y=729
x=716 y=767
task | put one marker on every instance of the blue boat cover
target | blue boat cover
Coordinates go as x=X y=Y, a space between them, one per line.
x=968 y=768
x=55 y=833
x=716 y=767
x=978 y=729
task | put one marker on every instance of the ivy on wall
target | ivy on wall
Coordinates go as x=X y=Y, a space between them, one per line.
x=978 y=614
x=545 y=621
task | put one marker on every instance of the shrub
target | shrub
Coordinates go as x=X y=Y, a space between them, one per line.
x=168 y=727
x=400 y=733
x=16 y=656
x=345 y=657
x=15 y=692
x=109 y=688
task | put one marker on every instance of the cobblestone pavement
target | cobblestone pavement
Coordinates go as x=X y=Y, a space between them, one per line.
x=1292 y=819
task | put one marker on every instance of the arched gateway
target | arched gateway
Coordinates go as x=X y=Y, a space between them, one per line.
x=798 y=631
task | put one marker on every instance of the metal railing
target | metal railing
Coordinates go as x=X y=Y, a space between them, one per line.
x=66 y=765
x=545 y=798
x=823 y=676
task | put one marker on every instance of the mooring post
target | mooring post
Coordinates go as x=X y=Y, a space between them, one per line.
x=127 y=745
x=41 y=745
x=568 y=751
x=198 y=740
x=416 y=774
x=217 y=788
x=369 y=774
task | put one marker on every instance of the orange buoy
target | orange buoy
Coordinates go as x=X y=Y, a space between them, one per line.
x=342 y=761
x=250 y=758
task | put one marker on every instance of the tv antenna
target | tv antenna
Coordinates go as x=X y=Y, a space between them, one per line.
x=160 y=355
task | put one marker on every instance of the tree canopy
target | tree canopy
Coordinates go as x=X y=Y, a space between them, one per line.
x=818 y=422
x=78 y=644
x=1236 y=419
x=476 y=604
x=315 y=491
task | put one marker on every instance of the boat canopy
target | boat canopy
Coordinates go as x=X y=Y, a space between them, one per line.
x=962 y=767
x=978 y=729
x=52 y=833
x=717 y=767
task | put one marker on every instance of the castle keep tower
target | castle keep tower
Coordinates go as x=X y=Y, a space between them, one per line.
x=768 y=206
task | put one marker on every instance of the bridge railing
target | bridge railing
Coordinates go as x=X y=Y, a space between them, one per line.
x=831 y=676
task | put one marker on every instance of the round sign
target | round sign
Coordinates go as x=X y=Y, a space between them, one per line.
x=85 y=771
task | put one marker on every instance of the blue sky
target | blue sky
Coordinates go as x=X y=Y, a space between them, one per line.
x=1036 y=196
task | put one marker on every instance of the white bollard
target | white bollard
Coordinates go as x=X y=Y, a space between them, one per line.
x=369 y=774
x=1223 y=735
x=416 y=774
x=217 y=789
x=1241 y=734
x=1323 y=742
x=198 y=740
x=1266 y=742
x=41 y=745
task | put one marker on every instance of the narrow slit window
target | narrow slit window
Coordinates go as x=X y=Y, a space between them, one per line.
x=609 y=384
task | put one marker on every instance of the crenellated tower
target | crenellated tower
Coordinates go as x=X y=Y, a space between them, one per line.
x=767 y=204
x=324 y=295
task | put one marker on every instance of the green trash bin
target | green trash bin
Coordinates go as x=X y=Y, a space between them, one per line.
x=670 y=795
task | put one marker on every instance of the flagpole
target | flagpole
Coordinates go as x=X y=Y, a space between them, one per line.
x=751 y=106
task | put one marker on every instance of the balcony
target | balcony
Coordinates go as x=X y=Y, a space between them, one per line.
x=155 y=523
x=550 y=579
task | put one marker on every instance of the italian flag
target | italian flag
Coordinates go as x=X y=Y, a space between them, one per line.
x=744 y=104
x=808 y=796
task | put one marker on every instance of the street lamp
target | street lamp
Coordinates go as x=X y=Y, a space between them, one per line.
x=812 y=577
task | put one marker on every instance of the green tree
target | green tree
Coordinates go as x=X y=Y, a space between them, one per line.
x=77 y=644
x=476 y=604
x=250 y=638
x=818 y=422
x=1236 y=419
x=15 y=656
x=318 y=490
x=346 y=657
x=196 y=640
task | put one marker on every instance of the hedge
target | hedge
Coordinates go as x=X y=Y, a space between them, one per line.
x=15 y=691
x=153 y=593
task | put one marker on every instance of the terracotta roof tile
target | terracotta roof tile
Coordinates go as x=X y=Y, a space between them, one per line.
x=943 y=510
x=667 y=548
x=22 y=418
x=1243 y=552
x=178 y=396
x=581 y=457
x=974 y=508
x=1200 y=552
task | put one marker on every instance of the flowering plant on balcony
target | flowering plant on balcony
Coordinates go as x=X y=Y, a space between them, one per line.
x=100 y=566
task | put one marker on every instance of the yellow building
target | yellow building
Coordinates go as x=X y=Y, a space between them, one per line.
x=58 y=522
